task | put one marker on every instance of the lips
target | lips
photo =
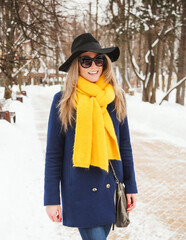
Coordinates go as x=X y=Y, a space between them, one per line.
x=93 y=72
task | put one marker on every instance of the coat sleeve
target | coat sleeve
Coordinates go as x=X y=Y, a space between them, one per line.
x=53 y=157
x=127 y=158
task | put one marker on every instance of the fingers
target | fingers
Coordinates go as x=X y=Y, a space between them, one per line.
x=131 y=202
x=128 y=199
x=60 y=213
x=55 y=216
x=54 y=212
x=51 y=218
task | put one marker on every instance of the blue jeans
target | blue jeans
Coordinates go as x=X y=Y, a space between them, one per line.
x=95 y=233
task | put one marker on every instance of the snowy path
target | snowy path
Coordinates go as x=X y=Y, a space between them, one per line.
x=160 y=172
x=41 y=103
x=159 y=167
x=161 y=179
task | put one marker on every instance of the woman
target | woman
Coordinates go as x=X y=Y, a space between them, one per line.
x=87 y=127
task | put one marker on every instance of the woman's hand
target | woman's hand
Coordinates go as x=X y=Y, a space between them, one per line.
x=131 y=201
x=54 y=212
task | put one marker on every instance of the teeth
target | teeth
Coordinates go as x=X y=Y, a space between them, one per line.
x=93 y=72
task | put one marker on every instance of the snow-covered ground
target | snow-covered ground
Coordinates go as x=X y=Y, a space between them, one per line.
x=21 y=179
x=22 y=164
x=165 y=122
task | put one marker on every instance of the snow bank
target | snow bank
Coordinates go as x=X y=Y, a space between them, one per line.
x=164 y=122
x=21 y=179
x=2 y=90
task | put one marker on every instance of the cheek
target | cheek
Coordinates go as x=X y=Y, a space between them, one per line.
x=82 y=71
x=100 y=70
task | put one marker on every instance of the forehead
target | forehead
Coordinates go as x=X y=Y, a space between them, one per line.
x=90 y=54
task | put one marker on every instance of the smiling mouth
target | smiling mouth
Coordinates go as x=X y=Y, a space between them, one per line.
x=93 y=72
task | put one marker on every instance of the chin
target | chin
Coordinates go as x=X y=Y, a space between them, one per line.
x=93 y=79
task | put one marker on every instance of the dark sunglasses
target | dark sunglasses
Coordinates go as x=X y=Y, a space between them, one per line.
x=86 y=61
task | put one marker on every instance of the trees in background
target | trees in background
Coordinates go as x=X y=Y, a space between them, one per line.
x=149 y=33
x=31 y=32
x=180 y=94
x=151 y=37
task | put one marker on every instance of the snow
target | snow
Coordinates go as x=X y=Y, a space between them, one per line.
x=155 y=42
x=41 y=70
x=21 y=178
x=146 y=27
x=22 y=164
x=50 y=71
x=135 y=64
x=146 y=56
x=2 y=90
x=150 y=11
x=20 y=195
x=140 y=74
x=26 y=72
x=165 y=122
x=147 y=80
x=177 y=84
x=34 y=70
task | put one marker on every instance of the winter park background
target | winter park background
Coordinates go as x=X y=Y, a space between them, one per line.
x=151 y=70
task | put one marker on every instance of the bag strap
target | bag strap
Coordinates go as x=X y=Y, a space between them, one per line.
x=117 y=181
x=114 y=173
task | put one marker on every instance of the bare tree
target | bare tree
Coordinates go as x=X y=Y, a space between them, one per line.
x=180 y=94
x=148 y=29
x=27 y=30
x=157 y=19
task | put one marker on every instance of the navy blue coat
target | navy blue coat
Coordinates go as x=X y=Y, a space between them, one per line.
x=87 y=194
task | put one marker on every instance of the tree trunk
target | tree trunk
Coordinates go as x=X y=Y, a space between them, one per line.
x=162 y=67
x=139 y=57
x=155 y=81
x=170 y=67
x=180 y=94
x=57 y=63
x=149 y=95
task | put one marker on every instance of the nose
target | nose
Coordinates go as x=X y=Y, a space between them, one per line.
x=93 y=64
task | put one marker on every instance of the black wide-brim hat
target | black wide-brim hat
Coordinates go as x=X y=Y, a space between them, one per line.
x=87 y=43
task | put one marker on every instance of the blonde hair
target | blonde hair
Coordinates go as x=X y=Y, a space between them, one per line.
x=67 y=111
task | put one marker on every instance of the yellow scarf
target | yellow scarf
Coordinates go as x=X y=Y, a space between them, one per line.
x=95 y=139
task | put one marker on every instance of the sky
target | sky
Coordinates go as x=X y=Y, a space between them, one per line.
x=77 y=7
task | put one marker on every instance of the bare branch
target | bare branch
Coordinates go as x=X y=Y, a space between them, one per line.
x=171 y=89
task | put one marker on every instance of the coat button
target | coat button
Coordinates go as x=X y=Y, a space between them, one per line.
x=108 y=185
x=94 y=189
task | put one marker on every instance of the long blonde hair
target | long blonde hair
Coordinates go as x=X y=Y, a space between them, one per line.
x=66 y=105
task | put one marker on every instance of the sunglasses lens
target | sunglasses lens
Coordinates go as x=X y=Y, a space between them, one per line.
x=86 y=62
x=100 y=60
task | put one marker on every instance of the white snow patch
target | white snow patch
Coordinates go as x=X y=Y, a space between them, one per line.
x=164 y=122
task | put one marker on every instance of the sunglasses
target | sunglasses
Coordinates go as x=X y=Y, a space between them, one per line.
x=86 y=61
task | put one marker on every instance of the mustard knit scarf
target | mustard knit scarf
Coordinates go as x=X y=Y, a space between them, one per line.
x=95 y=139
